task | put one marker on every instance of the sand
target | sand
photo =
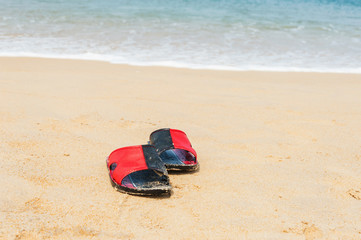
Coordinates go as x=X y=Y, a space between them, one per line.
x=279 y=153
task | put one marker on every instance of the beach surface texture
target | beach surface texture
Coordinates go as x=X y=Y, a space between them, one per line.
x=279 y=153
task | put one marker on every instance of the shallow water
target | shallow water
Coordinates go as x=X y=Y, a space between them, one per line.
x=281 y=35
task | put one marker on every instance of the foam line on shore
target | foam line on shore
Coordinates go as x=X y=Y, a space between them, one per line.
x=110 y=59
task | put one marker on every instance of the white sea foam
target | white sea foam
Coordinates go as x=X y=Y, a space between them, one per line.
x=110 y=59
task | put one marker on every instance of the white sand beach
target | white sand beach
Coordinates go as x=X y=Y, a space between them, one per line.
x=279 y=153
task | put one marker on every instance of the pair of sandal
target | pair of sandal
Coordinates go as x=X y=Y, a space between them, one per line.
x=142 y=169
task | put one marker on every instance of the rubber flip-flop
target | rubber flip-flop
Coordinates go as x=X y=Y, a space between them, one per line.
x=175 y=149
x=138 y=170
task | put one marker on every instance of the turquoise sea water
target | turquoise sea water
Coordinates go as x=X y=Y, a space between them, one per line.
x=281 y=35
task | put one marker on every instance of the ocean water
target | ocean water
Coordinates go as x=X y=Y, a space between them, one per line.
x=276 y=35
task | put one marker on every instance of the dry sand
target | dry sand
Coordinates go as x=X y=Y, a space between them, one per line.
x=280 y=153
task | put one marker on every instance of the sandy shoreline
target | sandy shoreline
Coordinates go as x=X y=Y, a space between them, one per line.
x=279 y=152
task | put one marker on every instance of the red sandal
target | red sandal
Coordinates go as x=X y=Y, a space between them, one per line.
x=138 y=170
x=175 y=149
